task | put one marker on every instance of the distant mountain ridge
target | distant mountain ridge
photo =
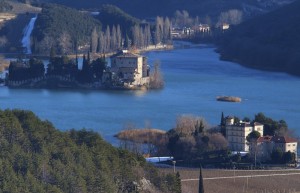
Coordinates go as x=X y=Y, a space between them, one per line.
x=152 y=8
x=270 y=41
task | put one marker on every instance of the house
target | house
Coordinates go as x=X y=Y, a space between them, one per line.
x=236 y=133
x=187 y=31
x=225 y=26
x=265 y=145
x=285 y=144
x=130 y=69
x=204 y=28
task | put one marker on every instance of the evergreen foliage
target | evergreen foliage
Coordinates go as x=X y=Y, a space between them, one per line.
x=272 y=127
x=62 y=27
x=4 y=6
x=111 y=15
x=36 y=157
x=20 y=70
x=201 y=186
x=59 y=66
x=253 y=136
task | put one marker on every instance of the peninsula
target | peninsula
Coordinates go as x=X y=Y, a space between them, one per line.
x=127 y=71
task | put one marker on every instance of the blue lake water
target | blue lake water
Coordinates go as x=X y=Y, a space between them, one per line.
x=194 y=77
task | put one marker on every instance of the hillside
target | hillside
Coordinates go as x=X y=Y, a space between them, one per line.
x=111 y=15
x=63 y=28
x=153 y=8
x=36 y=157
x=270 y=41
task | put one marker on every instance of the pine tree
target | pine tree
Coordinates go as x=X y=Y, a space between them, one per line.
x=201 y=187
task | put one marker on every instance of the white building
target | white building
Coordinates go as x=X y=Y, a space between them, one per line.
x=204 y=28
x=129 y=68
x=285 y=144
x=225 y=26
x=265 y=145
x=262 y=148
x=236 y=133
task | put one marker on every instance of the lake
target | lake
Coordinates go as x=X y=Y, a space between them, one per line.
x=194 y=77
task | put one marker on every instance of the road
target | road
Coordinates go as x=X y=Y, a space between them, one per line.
x=244 y=176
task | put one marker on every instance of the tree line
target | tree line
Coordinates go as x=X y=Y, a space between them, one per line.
x=63 y=66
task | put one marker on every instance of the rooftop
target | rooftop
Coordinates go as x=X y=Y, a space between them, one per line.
x=264 y=139
x=125 y=53
x=281 y=139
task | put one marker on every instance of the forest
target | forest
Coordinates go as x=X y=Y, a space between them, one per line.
x=63 y=28
x=36 y=157
x=70 y=31
x=270 y=41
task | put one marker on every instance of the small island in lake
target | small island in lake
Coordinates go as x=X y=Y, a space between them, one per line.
x=229 y=99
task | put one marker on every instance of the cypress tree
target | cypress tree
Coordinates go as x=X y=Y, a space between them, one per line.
x=76 y=60
x=126 y=42
x=178 y=183
x=222 y=120
x=222 y=125
x=88 y=58
x=201 y=187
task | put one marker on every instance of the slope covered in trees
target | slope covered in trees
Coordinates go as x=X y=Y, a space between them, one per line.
x=152 y=8
x=270 y=41
x=63 y=28
x=111 y=15
x=4 y=6
x=36 y=157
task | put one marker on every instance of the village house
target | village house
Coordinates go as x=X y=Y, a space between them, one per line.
x=263 y=148
x=130 y=69
x=236 y=133
x=182 y=32
x=225 y=26
x=265 y=145
x=204 y=28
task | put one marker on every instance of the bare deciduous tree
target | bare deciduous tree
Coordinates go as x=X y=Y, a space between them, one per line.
x=156 y=78
x=94 y=41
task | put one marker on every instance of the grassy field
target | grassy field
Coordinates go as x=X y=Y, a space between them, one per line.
x=23 y=8
x=285 y=181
